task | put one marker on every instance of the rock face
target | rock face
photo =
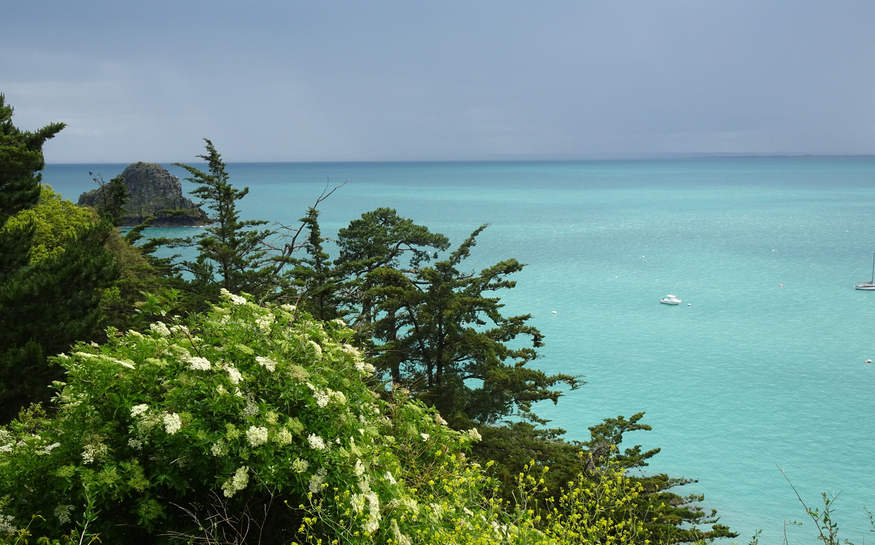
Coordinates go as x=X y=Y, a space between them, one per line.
x=153 y=192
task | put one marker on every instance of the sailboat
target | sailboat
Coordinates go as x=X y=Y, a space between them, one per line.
x=870 y=285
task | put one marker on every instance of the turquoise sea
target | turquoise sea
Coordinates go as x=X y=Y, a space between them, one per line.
x=762 y=365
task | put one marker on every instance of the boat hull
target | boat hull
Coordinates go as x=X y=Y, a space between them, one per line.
x=865 y=287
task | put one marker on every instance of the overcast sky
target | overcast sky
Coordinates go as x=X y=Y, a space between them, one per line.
x=433 y=80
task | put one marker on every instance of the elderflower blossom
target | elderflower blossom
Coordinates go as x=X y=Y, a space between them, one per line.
x=6 y=526
x=316 y=348
x=137 y=410
x=299 y=465
x=474 y=434
x=236 y=299
x=317 y=480
x=400 y=539
x=172 y=423
x=267 y=363
x=48 y=449
x=219 y=449
x=234 y=374
x=93 y=452
x=256 y=435
x=439 y=419
x=237 y=482
x=390 y=479
x=283 y=437
x=316 y=442
x=62 y=512
x=159 y=328
x=425 y=436
x=265 y=322
x=359 y=468
x=196 y=363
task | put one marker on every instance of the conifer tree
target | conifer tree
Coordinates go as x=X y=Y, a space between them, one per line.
x=48 y=304
x=231 y=254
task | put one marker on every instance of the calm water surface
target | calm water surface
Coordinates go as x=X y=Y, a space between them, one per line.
x=761 y=366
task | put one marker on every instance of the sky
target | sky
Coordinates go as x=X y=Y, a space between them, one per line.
x=416 y=80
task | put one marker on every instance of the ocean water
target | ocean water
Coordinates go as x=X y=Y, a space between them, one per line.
x=763 y=364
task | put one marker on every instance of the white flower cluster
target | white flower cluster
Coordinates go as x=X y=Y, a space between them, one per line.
x=439 y=419
x=283 y=437
x=135 y=444
x=267 y=363
x=365 y=368
x=251 y=409
x=219 y=449
x=316 y=348
x=62 y=512
x=48 y=449
x=6 y=526
x=288 y=308
x=256 y=435
x=137 y=410
x=317 y=480
x=196 y=363
x=93 y=452
x=400 y=538
x=236 y=299
x=299 y=465
x=172 y=423
x=160 y=328
x=316 y=442
x=474 y=434
x=359 y=468
x=323 y=398
x=233 y=374
x=236 y=483
x=357 y=502
x=264 y=322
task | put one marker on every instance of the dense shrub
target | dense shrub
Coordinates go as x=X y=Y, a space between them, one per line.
x=258 y=424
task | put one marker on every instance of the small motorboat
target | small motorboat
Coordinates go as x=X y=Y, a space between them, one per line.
x=670 y=300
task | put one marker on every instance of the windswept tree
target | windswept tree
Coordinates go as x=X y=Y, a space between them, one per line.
x=440 y=333
x=231 y=253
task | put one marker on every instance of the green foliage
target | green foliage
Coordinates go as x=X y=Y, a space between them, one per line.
x=256 y=424
x=440 y=333
x=231 y=255
x=48 y=298
x=113 y=197
x=56 y=221
x=245 y=408
x=21 y=160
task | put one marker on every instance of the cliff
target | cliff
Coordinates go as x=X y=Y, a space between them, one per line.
x=153 y=192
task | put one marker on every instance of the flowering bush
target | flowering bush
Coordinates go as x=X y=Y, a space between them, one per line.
x=251 y=424
x=249 y=411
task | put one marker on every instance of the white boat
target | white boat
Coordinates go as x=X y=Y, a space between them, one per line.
x=670 y=300
x=870 y=285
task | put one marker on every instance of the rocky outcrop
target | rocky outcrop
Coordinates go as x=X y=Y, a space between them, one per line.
x=152 y=192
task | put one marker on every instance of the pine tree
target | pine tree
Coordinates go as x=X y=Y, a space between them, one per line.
x=231 y=255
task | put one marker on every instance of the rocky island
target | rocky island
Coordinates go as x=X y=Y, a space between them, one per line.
x=152 y=191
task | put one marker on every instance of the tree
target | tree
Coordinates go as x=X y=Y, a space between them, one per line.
x=231 y=255
x=380 y=238
x=443 y=337
x=48 y=300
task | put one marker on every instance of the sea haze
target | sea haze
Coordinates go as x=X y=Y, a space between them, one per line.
x=763 y=363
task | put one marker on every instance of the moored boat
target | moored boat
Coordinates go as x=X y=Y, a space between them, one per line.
x=870 y=285
x=670 y=300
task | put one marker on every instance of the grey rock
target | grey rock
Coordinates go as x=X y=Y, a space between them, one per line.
x=153 y=191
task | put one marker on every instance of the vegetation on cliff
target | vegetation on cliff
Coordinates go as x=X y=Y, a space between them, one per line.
x=250 y=396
